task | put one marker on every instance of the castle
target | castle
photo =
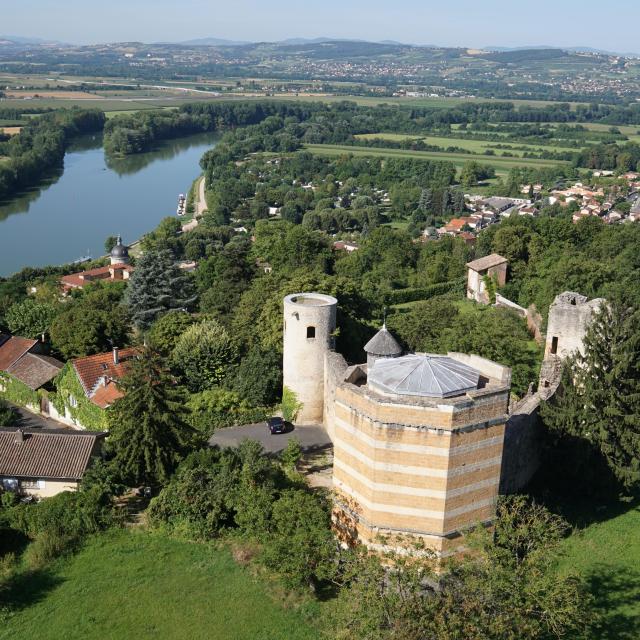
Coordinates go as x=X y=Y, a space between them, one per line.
x=423 y=443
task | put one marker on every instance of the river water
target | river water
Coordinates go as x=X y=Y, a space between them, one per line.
x=73 y=211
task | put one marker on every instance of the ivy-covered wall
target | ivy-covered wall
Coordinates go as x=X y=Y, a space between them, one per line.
x=15 y=391
x=85 y=414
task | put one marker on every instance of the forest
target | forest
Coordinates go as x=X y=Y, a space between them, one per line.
x=40 y=146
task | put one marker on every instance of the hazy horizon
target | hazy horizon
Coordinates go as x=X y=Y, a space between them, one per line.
x=468 y=24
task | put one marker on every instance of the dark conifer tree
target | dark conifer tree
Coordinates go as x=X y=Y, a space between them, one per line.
x=599 y=399
x=147 y=433
x=157 y=286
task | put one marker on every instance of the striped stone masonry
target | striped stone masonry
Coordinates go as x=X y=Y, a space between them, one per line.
x=416 y=472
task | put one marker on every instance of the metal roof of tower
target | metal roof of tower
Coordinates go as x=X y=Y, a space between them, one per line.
x=383 y=344
x=427 y=375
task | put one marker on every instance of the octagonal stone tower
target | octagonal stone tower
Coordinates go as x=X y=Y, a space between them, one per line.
x=309 y=324
x=418 y=451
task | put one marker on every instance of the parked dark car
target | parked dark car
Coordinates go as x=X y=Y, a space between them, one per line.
x=276 y=425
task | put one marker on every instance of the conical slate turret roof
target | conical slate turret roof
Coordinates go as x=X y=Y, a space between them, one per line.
x=383 y=344
x=423 y=375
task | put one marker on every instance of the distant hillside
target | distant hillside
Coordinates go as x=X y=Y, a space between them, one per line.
x=524 y=55
x=214 y=42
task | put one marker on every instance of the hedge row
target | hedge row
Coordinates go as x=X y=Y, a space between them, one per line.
x=412 y=294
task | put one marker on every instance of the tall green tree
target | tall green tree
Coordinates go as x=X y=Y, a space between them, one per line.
x=167 y=329
x=599 y=399
x=147 y=432
x=157 y=286
x=93 y=323
x=9 y=417
x=204 y=355
x=30 y=318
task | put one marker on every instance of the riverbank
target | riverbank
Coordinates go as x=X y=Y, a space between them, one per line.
x=94 y=198
x=199 y=205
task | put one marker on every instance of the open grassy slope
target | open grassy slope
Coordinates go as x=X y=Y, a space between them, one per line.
x=136 y=585
x=607 y=553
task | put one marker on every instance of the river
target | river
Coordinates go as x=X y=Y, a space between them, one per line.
x=76 y=208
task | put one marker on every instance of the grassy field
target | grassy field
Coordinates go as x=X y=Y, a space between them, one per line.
x=477 y=146
x=502 y=165
x=607 y=553
x=127 y=584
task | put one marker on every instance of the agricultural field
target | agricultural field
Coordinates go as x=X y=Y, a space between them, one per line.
x=476 y=146
x=502 y=165
x=133 y=584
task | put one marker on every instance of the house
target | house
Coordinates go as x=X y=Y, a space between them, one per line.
x=468 y=237
x=343 y=245
x=456 y=225
x=111 y=272
x=493 y=267
x=89 y=386
x=24 y=369
x=499 y=205
x=117 y=269
x=528 y=210
x=45 y=462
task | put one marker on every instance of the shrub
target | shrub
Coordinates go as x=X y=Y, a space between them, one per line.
x=47 y=546
x=290 y=406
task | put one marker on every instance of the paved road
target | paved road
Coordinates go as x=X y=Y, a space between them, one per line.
x=30 y=420
x=312 y=438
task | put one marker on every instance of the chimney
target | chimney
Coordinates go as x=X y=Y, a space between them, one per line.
x=19 y=437
x=116 y=356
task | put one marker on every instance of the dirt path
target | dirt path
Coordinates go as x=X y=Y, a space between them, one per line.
x=201 y=201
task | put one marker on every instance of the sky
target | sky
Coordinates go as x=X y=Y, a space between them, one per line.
x=472 y=23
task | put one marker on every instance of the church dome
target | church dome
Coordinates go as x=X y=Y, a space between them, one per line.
x=120 y=250
x=431 y=376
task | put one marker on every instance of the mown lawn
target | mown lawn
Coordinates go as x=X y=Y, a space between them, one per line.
x=607 y=553
x=136 y=585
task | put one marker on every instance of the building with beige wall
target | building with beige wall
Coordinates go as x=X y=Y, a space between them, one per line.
x=418 y=450
x=570 y=315
x=45 y=462
x=494 y=267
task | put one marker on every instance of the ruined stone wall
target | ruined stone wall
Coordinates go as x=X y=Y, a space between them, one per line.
x=569 y=318
x=335 y=367
x=522 y=445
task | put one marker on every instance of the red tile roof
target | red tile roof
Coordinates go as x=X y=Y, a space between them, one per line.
x=101 y=370
x=84 y=278
x=53 y=454
x=12 y=349
x=106 y=395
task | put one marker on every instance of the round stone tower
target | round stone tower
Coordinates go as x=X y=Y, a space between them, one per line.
x=309 y=323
